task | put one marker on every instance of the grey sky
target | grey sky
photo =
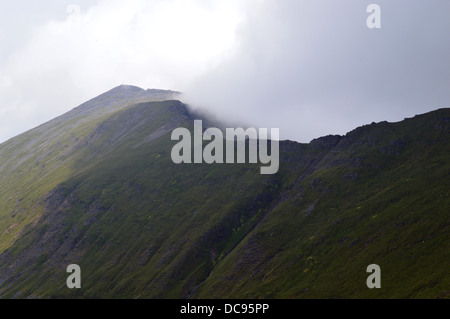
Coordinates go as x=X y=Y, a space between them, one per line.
x=309 y=67
x=314 y=68
x=19 y=18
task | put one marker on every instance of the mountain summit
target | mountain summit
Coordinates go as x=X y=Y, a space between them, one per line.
x=96 y=187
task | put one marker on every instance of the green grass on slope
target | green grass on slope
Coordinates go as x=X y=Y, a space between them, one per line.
x=392 y=210
x=36 y=161
x=141 y=226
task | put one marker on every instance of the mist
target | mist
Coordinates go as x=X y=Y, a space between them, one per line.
x=310 y=68
x=313 y=68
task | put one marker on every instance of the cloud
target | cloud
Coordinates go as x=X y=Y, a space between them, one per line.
x=313 y=68
x=308 y=67
x=162 y=44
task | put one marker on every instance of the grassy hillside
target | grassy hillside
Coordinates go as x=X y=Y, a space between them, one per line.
x=35 y=162
x=97 y=187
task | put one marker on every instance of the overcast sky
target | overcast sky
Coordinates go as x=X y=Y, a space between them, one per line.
x=310 y=67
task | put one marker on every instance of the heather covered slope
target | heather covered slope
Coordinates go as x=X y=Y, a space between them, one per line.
x=98 y=188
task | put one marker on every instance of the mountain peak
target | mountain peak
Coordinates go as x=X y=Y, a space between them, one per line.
x=127 y=88
x=132 y=89
x=123 y=95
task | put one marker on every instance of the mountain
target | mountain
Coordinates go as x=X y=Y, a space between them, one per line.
x=97 y=187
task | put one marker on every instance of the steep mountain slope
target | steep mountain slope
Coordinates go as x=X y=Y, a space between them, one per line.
x=36 y=161
x=97 y=187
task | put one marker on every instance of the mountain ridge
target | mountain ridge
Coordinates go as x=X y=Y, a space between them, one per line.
x=139 y=225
